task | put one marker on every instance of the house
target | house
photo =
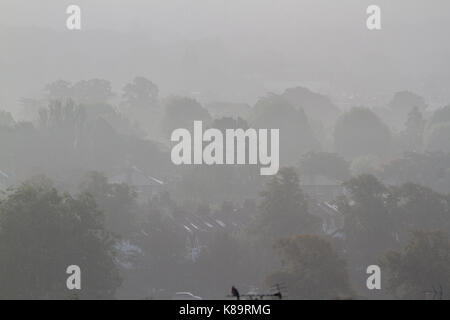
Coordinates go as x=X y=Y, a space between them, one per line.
x=200 y=230
x=144 y=184
x=332 y=219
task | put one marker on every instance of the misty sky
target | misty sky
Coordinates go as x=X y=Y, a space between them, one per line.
x=228 y=49
x=197 y=18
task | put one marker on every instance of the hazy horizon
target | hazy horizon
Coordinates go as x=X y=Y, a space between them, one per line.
x=230 y=50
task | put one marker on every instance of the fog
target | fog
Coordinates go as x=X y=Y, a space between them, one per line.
x=232 y=49
x=87 y=137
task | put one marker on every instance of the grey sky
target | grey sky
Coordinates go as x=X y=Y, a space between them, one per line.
x=229 y=45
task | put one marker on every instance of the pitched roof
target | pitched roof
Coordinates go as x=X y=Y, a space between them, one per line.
x=135 y=177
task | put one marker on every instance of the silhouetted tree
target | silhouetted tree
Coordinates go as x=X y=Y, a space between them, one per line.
x=117 y=201
x=141 y=93
x=329 y=165
x=417 y=207
x=359 y=132
x=406 y=100
x=368 y=225
x=439 y=116
x=316 y=106
x=412 y=136
x=6 y=120
x=423 y=264
x=284 y=208
x=85 y=91
x=428 y=169
x=296 y=137
x=59 y=90
x=437 y=138
x=181 y=112
x=42 y=232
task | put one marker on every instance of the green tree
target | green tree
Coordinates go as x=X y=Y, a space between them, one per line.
x=359 y=132
x=163 y=245
x=58 y=90
x=329 y=165
x=296 y=136
x=368 y=225
x=364 y=165
x=367 y=218
x=284 y=207
x=116 y=200
x=406 y=100
x=428 y=169
x=181 y=112
x=224 y=123
x=438 y=131
x=418 y=207
x=141 y=93
x=423 y=263
x=412 y=136
x=90 y=91
x=441 y=115
x=437 y=136
x=42 y=232
x=311 y=269
x=317 y=106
